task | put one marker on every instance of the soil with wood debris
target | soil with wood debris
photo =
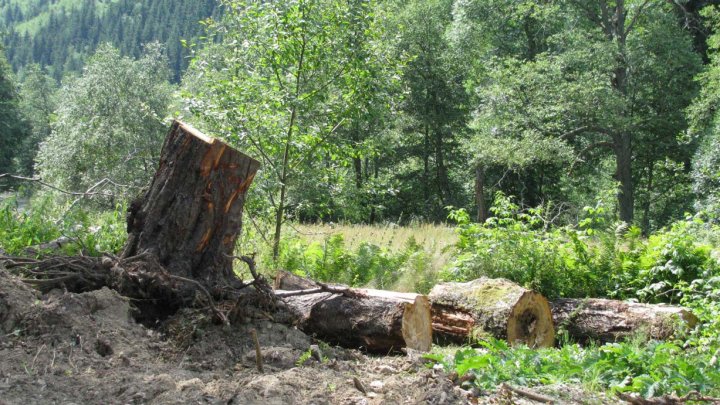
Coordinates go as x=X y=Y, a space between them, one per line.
x=66 y=348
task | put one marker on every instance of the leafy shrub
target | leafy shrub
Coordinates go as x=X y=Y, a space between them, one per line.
x=516 y=245
x=594 y=259
x=20 y=229
x=90 y=233
x=652 y=369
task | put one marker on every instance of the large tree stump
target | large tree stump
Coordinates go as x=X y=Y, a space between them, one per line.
x=374 y=320
x=601 y=320
x=491 y=307
x=191 y=215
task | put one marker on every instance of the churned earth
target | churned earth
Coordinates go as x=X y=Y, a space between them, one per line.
x=66 y=348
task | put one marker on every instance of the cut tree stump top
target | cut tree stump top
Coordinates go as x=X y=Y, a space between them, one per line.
x=191 y=215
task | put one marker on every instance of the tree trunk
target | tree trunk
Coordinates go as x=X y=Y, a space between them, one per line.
x=191 y=215
x=491 y=307
x=648 y=200
x=480 y=194
x=374 y=320
x=604 y=320
x=623 y=158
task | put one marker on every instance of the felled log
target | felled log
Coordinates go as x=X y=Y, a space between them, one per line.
x=191 y=215
x=491 y=307
x=53 y=245
x=603 y=320
x=373 y=320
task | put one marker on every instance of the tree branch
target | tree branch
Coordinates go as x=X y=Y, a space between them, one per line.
x=635 y=17
x=74 y=193
x=587 y=149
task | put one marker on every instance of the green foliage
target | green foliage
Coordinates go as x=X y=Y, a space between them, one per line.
x=653 y=369
x=12 y=130
x=90 y=233
x=591 y=260
x=110 y=124
x=515 y=245
x=280 y=83
x=368 y=265
x=20 y=229
x=38 y=103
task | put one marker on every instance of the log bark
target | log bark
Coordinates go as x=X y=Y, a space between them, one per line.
x=374 y=320
x=603 y=320
x=191 y=215
x=491 y=307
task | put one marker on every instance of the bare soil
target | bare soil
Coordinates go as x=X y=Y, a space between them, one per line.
x=65 y=348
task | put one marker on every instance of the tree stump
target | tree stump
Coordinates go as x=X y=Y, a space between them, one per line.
x=602 y=320
x=190 y=217
x=491 y=307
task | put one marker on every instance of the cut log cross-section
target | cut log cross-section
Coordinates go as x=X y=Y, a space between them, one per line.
x=491 y=307
x=374 y=320
x=603 y=320
x=191 y=215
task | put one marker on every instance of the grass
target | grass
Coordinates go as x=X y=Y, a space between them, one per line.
x=435 y=240
x=435 y=243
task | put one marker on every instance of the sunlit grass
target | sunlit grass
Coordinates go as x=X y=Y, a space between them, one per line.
x=436 y=241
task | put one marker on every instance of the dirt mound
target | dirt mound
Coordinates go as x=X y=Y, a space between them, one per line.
x=86 y=348
x=15 y=297
x=65 y=348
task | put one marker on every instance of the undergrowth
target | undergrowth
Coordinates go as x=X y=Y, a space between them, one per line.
x=650 y=369
x=595 y=258
x=89 y=232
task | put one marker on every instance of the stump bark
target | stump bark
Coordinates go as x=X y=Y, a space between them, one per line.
x=603 y=320
x=191 y=215
x=491 y=307
x=374 y=320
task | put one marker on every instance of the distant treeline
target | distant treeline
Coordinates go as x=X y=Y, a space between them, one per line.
x=64 y=40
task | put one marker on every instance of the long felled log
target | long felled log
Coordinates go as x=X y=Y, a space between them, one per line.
x=603 y=320
x=373 y=320
x=191 y=215
x=491 y=307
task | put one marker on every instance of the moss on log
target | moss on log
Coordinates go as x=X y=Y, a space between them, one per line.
x=491 y=307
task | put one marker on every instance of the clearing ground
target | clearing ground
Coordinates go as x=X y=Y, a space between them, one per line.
x=65 y=348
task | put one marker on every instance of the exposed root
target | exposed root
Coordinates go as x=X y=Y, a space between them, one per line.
x=140 y=277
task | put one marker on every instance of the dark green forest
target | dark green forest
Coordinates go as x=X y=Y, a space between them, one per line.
x=60 y=36
x=571 y=146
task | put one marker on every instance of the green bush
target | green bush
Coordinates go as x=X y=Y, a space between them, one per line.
x=513 y=244
x=653 y=369
x=596 y=258
x=91 y=233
